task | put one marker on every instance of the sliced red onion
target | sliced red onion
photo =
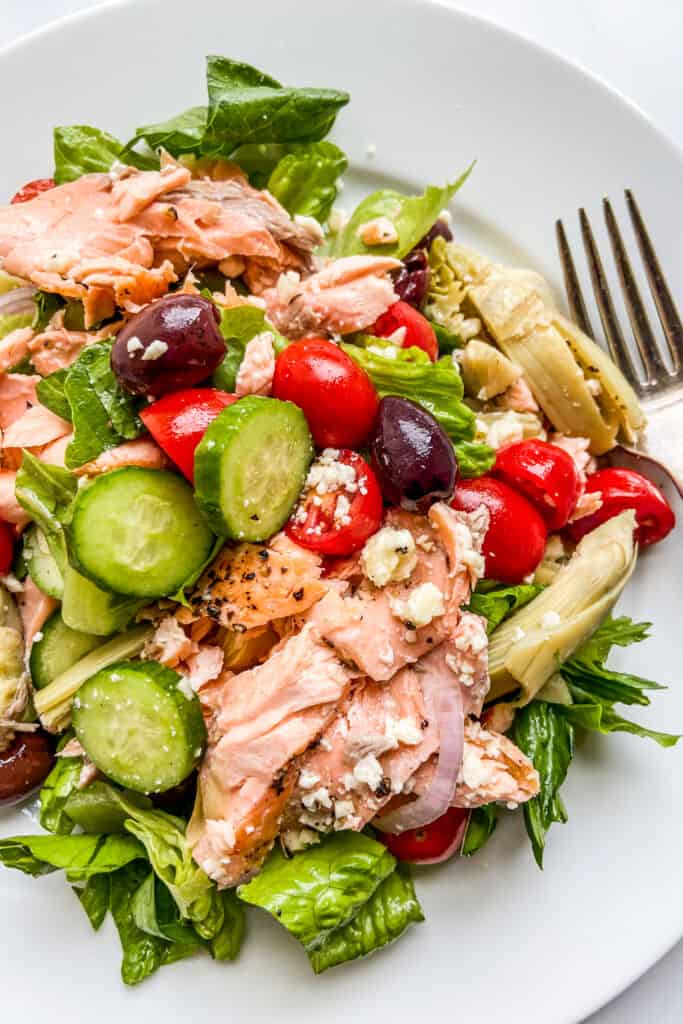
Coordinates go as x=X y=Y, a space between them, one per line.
x=444 y=701
x=19 y=300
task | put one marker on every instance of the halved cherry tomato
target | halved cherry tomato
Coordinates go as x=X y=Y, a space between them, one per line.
x=545 y=474
x=337 y=397
x=339 y=522
x=32 y=189
x=434 y=842
x=621 y=489
x=515 y=539
x=418 y=330
x=178 y=422
x=6 y=548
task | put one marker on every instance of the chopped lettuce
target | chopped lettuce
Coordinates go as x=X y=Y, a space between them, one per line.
x=248 y=106
x=474 y=459
x=495 y=602
x=55 y=791
x=50 y=391
x=80 y=856
x=410 y=373
x=94 y=897
x=391 y=908
x=480 y=828
x=239 y=324
x=47 y=493
x=305 y=180
x=80 y=149
x=103 y=414
x=321 y=889
x=412 y=216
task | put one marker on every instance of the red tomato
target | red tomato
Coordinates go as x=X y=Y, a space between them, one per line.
x=32 y=189
x=6 y=548
x=543 y=473
x=515 y=539
x=317 y=523
x=436 y=841
x=178 y=422
x=337 y=397
x=621 y=489
x=419 y=331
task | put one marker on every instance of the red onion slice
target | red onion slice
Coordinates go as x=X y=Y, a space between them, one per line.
x=18 y=300
x=444 y=701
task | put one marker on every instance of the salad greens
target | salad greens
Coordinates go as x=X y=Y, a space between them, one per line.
x=239 y=324
x=80 y=149
x=496 y=602
x=79 y=855
x=47 y=493
x=474 y=459
x=50 y=391
x=480 y=828
x=55 y=792
x=305 y=180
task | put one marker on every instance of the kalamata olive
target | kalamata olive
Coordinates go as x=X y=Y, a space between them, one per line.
x=24 y=764
x=171 y=344
x=412 y=455
x=179 y=800
x=412 y=280
x=439 y=229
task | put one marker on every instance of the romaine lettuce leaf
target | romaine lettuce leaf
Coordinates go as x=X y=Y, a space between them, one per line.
x=412 y=216
x=79 y=855
x=177 y=135
x=246 y=105
x=226 y=943
x=80 y=149
x=391 y=908
x=47 y=494
x=50 y=391
x=322 y=888
x=410 y=373
x=94 y=897
x=239 y=324
x=474 y=459
x=258 y=160
x=305 y=180
x=480 y=828
x=155 y=912
x=103 y=414
x=497 y=603
x=55 y=791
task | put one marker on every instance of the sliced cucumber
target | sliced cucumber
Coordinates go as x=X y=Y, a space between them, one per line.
x=139 y=532
x=250 y=467
x=138 y=727
x=88 y=609
x=58 y=649
x=41 y=565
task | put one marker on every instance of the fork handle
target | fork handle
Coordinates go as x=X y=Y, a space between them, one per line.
x=663 y=441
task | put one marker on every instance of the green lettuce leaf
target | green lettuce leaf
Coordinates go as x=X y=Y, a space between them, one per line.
x=47 y=304
x=226 y=943
x=246 y=105
x=155 y=912
x=497 y=603
x=12 y=322
x=103 y=414
x=79 y=855
x=55 y=792
x=322 y=888
x=239 y=325
x=258 y=160
x=94 y=897
x=480 y=828
x=391 y=908
x=589 y=712
x=474 y=459
x=305 y=180
x=412 y=216
x=410 y=373
x=50 y=391
x=177 y=135
x=80 y=149
x=143 y=954
x=542 y=733
x=47 y=494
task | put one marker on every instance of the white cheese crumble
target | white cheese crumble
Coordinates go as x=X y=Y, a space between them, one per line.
x=318 y=798
x=550 y=620
x=311 y=224
x=343 y=809
x=403 y=730
x=369 y=771
x=341 y=511
x=155 y=350
x=379 y=231
x=389 y=556
x=295 y=841
x=327 y=474
x=423 y=604
x=502 y=430
x=185 y=688
x=307 y=779
x=134 y=345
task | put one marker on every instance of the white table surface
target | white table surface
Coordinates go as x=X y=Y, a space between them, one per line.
x=636 y=46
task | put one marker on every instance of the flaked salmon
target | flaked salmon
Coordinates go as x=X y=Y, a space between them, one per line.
x=142 y=452
x=35 y=608
x=17 y=394
x=14 y=348
x=37 y=426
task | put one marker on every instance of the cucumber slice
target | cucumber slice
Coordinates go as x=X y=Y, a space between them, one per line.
x=41 y=565
x=139 y=532
x=138 y=727
x=88 y=609
x=250 y=467
x=58 y=649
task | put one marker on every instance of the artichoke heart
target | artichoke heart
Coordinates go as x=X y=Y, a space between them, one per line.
x=579 y=388
x=526 y=651
x=14 y=685
x=486 y=372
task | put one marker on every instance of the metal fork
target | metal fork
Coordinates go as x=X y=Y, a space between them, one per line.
x=658 y=386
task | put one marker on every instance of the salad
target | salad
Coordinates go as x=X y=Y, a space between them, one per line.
x=309 y=550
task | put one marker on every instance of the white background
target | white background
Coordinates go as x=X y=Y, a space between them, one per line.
x=637 y=47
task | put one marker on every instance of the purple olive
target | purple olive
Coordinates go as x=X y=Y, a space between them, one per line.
x=412 y=281
x=171 y=344
x=439 y=229
x=24 y=764
x=411 y=455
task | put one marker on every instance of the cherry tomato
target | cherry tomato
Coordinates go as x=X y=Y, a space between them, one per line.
x=621 y=489
x=418 y=330
x=434 y=842
x=337 y=397
x=340 y=521
x=543 y=473
x=515 y=539
x=32 y=189
x=24 y=764
x=178 y=422
x=6 y=548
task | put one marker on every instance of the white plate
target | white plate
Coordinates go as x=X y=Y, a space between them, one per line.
x=431 y=88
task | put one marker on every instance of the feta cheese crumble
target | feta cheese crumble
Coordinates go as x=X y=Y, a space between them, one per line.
x=134 y=345
x=327 y=474
x=155 y=350
x=422 y=605
x=369 y=771
x=389 y=556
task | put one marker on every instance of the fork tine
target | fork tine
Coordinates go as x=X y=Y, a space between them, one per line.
x=615 y=339
x=653 y=364
x=666 y=307
x=577 y=306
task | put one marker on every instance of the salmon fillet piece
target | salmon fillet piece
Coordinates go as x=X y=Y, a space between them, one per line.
x=141 y=452
x=35 y=608
x=258 y=723
x=17 y=393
